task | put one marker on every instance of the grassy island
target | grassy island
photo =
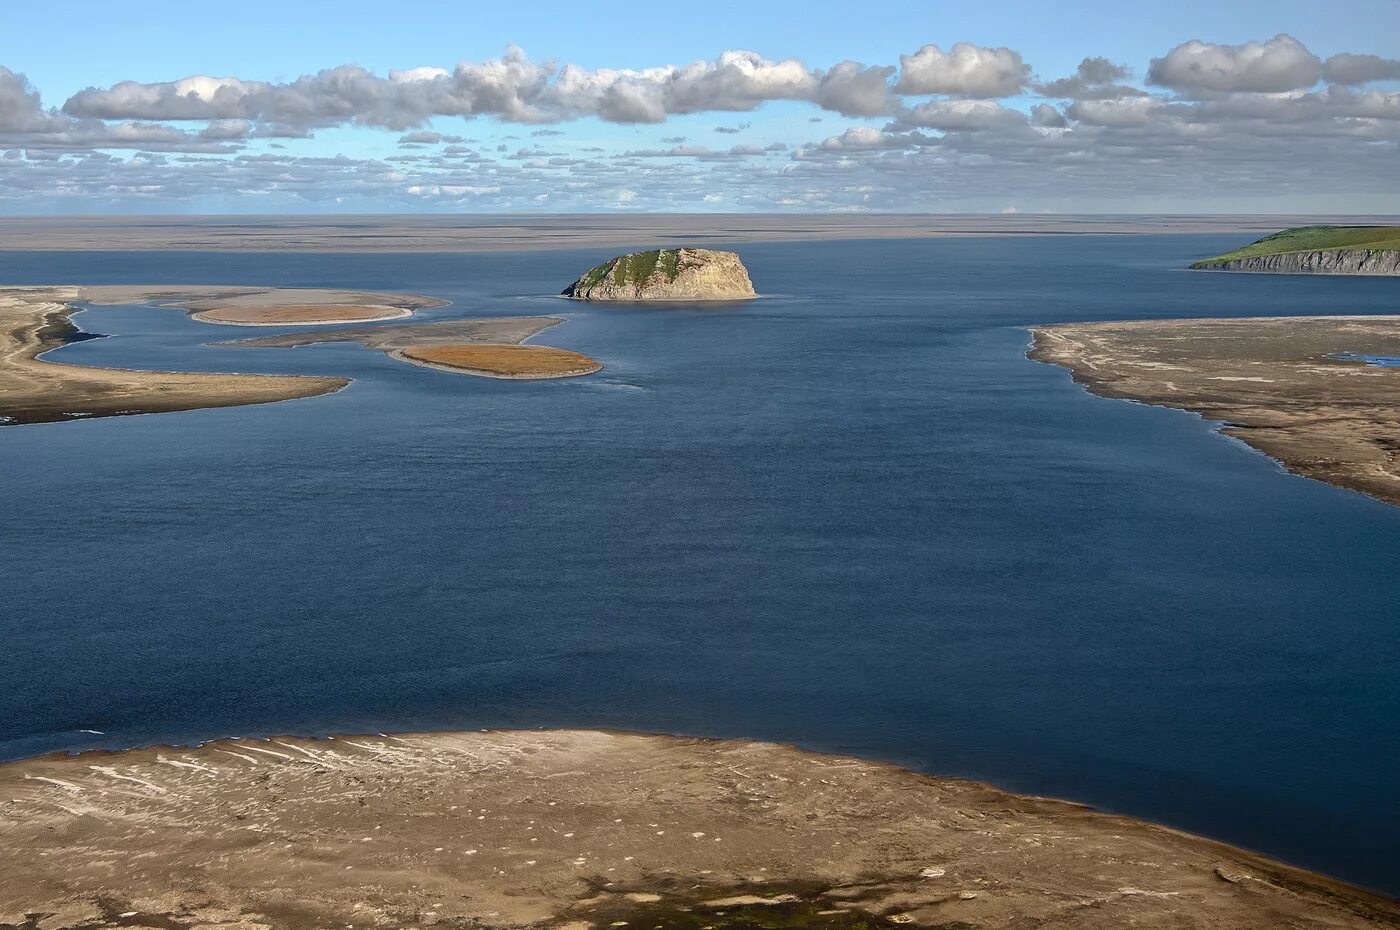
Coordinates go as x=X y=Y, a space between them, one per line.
x=504 y=361
x=1313 y=239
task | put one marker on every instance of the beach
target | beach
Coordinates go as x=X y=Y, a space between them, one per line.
x=583 y=829
x=1283 y=385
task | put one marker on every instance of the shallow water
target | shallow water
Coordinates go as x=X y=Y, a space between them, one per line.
x=1376 y=361
x=850 y=515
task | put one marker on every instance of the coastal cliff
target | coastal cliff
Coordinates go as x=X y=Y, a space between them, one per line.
x=666 y=274
x=1331 y=261
x=1370 y=250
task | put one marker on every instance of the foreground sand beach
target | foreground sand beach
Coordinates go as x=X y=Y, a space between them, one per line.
x=582 y=829
x=1276 y=382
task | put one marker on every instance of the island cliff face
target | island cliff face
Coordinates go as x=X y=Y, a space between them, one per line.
x=1329 y=261
x=666 y=274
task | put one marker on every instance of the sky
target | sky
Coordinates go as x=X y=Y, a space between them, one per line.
x=428 y=106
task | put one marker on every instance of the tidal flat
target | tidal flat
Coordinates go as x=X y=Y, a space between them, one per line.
x=1299 y=389
x=588 y=829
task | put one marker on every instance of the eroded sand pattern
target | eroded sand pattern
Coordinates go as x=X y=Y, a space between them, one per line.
x=1278 y=383
x=588 y=829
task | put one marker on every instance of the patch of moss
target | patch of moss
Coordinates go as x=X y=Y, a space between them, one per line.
x=1314 y=238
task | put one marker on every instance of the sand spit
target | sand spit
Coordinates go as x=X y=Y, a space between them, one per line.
x=299 y=315
x=483 y=347
x=266 y=306
x=511 y=329
x=507 y=362
x=33 y=390
x=1273 y=381
x=585 y=829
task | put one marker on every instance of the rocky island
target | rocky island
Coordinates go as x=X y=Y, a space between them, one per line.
x=1367 y=250
x=1319 y=394
x=575 y=830
x=666 y=274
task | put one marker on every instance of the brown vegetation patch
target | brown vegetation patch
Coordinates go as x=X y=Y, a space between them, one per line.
x=299 y=313
x=505 y=361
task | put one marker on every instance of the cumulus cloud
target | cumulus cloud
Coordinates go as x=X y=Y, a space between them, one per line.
x=1230 y=119
x=1280 y=64
x=1360 y=69
x=1094 y=79
x=961 y=116
x=512 y=88
x=966 y=70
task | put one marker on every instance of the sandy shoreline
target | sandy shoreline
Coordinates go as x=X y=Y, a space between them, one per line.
x=581 y=829
x=34 y=321
x=1270 y=381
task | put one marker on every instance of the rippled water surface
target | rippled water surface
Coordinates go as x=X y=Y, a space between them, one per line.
x=850 y=515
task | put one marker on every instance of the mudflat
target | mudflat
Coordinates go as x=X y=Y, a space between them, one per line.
x=1295 y=388
x=33 y=390
x=583 y=829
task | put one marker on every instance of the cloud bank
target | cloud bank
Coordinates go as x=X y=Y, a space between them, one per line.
x=941 y=130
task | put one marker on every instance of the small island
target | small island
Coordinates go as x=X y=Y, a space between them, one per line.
x=505 y=361
x=666 y=275
x=1319 y=394
x=486 y=347
x=588 y=830
x=1364 y=250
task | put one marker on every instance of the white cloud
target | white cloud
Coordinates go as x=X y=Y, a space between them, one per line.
x=966 y=70
x=1280 y=64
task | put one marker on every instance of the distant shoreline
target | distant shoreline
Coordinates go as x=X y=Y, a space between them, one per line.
x=616 y=231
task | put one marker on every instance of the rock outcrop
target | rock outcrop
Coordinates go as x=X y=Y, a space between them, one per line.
x=666 y=274
x=1325 y=261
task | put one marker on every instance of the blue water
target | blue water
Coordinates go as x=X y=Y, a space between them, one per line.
x=850 y=515
x=1376 y=361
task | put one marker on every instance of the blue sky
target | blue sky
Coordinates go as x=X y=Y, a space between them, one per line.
x=1246 y=140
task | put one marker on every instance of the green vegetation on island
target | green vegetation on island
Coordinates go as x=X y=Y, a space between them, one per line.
x=636 y=268
x=1313 y=239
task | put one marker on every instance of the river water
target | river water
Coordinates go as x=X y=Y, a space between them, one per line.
x=850 y=515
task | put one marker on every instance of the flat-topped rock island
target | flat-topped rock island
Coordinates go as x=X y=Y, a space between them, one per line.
x=666 y=275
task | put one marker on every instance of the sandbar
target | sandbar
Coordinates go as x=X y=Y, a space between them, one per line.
x=510 y=362
x=486 y=347
x=299 y=315
x=34 y=320
x=585 y=829
x=1291 y=387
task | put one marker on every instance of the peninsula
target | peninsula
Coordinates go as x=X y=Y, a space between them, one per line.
x=1366 y=250
x=666 y=275
x=34 y=320
x=577 y=830
x=1319 y=394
